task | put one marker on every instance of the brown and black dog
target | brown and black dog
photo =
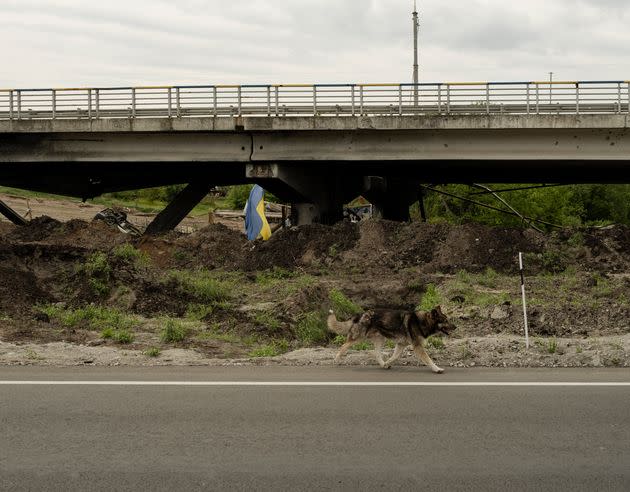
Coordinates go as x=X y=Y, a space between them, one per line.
x=404 y=327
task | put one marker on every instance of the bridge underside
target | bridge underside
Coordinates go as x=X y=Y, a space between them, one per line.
x=316 y=169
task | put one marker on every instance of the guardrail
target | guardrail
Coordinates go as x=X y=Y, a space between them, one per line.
x=605 y=97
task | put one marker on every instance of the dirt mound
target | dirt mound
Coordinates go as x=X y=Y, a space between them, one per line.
x=35 y=230
x=302 y=246
x=212 y=247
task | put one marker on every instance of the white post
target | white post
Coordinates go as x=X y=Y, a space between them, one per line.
x=520 y=261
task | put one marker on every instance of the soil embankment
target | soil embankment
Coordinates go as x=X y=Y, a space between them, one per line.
x=84 y=285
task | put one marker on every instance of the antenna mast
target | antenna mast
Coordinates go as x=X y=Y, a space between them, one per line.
x=416 y=25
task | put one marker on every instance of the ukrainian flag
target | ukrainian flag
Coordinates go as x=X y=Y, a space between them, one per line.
x=256 y=224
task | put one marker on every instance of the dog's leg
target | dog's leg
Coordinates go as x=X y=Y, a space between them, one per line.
x=424 y=357
x=398 y=350
x=378 y=352
x=342 y=351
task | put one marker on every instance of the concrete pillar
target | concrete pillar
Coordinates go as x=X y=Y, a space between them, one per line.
x=390 y=197
x=317 y=196
x=169 y=218
x=11 y=214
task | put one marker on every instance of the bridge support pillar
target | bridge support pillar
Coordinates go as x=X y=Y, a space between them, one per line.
x=178 y=209
x=11 y=214
x=315 y=197
x=391 y=197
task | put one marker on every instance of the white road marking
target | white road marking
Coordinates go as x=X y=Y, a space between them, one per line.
x=319 y=383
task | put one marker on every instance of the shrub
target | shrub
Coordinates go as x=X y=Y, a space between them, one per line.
x=267 y=320
x=98 y=272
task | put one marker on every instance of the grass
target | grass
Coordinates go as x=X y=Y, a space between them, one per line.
x=343 y=307
x=152 y=352
x=201 y=285
x=272 y=276
x=98 y=272
x=430 y=299
x=95 y=317
x=311 y=328
x=488 y=278
x=435 y=342
x=363 y=346
x=121 y=336
x=273 y=349
x=173 y=330
x=267 y=320
x=128 y=253
x=552 y=345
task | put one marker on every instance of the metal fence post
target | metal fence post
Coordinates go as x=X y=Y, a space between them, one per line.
x=178 y=102
x=577 y=98
x=19 y=104
x=133 y=102
x=448 y=98
x=400 y=101
x=440 y=98
x=54 y=104
x=240 y=101
x=98 y=103
x=537 y=99
x=628 y=97
x=89 y=104
x=361 y=100
x=268 y=100
x=619 y=98
x=487 y=98
x=527 y=98
x=353 y=105
x=169 y=97
x=10 y=105
x=314 y=100
x=215 y=102
x=277 y=94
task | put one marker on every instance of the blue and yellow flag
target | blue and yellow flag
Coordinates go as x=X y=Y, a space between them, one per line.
x=256 y=224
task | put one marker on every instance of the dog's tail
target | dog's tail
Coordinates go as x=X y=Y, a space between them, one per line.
x=336 y=326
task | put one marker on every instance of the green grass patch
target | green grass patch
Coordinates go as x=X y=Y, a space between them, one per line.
x=201 y=285
x=552 y=345
x=128 y=253
x=430 y=299
x=273 y=349
x=311 y=328
x=488 y=278
x=267 y=320
x=343 y=307
x=95 y=317
x=363 y=346
x=173 y=330
x=435 y=342
x=121 y=336
x=152 y=352
x=98 y=272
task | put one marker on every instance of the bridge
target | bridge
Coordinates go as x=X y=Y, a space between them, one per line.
x=316 y=146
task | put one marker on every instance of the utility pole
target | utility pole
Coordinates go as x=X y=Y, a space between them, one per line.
x=416 y=25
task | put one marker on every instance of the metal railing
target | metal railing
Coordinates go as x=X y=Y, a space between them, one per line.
x=604 y=97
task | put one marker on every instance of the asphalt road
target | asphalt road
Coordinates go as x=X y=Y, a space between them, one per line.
x=105 y=434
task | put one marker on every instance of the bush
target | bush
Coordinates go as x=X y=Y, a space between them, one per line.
x=273 y=349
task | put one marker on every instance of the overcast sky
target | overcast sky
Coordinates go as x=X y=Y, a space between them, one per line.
x=61 y=43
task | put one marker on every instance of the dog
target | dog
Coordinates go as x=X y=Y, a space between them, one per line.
x=404 y=327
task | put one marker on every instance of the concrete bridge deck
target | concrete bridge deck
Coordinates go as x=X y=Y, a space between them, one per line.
x=316 y=161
